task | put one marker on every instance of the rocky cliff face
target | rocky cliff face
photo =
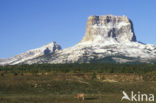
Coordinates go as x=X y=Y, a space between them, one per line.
x=120 y=28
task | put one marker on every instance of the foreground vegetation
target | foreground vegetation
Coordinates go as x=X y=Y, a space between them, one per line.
x=101 y=83
x=61 y=88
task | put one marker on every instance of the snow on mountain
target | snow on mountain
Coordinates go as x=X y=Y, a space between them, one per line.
x=107 y=39
x=88 y=52
x=49 y=48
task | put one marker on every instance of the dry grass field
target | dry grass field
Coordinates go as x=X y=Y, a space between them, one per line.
x=62 y=87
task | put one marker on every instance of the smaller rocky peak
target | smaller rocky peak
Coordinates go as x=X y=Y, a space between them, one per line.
x=51 y=47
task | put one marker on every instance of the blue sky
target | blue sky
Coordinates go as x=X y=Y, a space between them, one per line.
x=28 y=24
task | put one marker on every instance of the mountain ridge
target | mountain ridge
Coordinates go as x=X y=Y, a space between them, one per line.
x=33 y=53
x=107 y=39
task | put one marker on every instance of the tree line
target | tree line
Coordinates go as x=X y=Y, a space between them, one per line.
x=82 y=68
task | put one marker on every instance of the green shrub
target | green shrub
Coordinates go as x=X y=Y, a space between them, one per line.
x=93 y=76
x=2 y=74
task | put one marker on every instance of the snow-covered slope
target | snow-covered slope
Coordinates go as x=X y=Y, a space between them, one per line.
x=49 y=48
x=106 y=52
x=107 y=39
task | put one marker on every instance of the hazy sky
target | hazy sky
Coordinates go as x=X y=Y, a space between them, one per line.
x=28 y=24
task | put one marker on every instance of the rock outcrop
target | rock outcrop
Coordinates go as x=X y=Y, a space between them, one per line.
x=120 y=28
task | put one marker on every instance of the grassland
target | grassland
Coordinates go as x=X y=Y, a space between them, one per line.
x=61 y=88
x=18 y=84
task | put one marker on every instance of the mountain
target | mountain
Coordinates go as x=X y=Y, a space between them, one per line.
x=103 y=27
x=49 y=48
x=107 y=39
